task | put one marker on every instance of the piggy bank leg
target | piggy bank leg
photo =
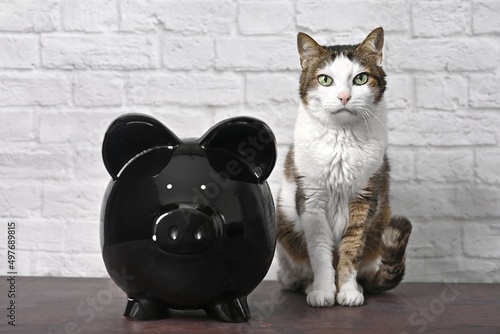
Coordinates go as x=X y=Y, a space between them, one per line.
x=234 y=310
x=144 y=308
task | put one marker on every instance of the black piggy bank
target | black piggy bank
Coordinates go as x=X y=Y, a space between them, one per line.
x=188 y=223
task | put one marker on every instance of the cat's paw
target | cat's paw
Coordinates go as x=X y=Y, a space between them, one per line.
x=321 y=298
x=350 y=298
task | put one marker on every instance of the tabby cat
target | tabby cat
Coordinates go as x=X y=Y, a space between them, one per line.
x=335 y=231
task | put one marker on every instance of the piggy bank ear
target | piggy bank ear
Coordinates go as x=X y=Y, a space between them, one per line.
x=247 y=141
x=130 y=136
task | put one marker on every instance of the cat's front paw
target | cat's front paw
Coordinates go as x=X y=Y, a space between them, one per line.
x=321 y=298
x=350 y=298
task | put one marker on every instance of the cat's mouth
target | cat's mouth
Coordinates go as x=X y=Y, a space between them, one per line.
x=341 y=110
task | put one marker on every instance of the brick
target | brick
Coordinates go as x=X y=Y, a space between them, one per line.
x=272 y=88
x=435 y=54
x=352 y=15
x=265 y=17
x=398 y=92
x=186 y=53
x=94 y=90
x=402 y=162
x=479 y=270
x=434 y=239
x=444 y=165
x=138 y=15
x=25 y=89
x=21 y=201
x=485 y=15
x=99 y=52
x=74 y=127
x=82 y=237
x=90 y=165
x=280 y=118
x=186 y=16
x=41 y=235
x=487 y=163
x=441 y=129
x=429 y=201
x=193 y=89
x=90 y=15
x=443 y=18
x=452 y=269
x=198 y=16
x=16 y=126
x=257 y=54
x=443 y=92
x=27 y=164
x=26 y=16
x=46 y=263
x=481 y=239
x=19 y=52
x=179 y=119
x=484 y=91
x=70 y=201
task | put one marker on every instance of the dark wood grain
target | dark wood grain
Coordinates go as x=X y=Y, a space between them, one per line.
x=95 y=305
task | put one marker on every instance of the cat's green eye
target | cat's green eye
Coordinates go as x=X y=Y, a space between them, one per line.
x=361 y=79
x=325 y=80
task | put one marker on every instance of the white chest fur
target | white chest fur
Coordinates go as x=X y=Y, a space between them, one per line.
x=336 y=163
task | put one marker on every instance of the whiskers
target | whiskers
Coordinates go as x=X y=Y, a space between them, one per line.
x=369 y=118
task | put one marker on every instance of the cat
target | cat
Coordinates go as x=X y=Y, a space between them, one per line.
x=336 y=236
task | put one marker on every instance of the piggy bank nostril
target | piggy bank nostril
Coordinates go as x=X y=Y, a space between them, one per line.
x=186 y=229
x=173 y=232
x=199 y=233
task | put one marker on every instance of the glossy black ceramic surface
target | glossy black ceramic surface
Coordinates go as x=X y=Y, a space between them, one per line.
x=188 y=223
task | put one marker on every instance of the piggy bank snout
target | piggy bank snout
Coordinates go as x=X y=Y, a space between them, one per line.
x=186 y=229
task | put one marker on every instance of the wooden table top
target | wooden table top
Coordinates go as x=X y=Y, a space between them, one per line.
x=95 y=305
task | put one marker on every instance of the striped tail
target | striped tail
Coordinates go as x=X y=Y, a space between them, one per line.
x=392 y=252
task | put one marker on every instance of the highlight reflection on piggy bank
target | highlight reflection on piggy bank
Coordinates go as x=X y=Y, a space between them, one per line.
x=188 y=224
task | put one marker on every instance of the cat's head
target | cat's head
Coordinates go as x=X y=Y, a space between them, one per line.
x=342 y=83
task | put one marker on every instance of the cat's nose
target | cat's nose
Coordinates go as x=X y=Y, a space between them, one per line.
x=344 y=97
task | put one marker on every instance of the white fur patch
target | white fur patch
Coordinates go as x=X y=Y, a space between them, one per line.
x=351 y=293
x=350 y=298
x=320 y=298
x=287 y=200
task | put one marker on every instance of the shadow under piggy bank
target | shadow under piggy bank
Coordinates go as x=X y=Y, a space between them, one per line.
x=188 y=224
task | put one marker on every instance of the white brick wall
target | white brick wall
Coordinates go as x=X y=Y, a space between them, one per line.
x=69 y=67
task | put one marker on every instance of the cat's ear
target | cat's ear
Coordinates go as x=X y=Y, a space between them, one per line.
x=131 y=135
x=308 y=49
x=373 y=44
